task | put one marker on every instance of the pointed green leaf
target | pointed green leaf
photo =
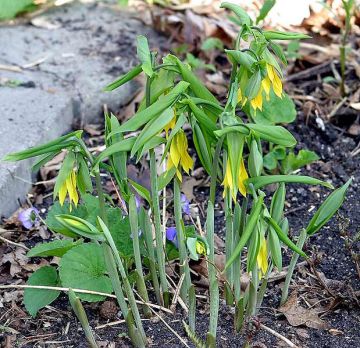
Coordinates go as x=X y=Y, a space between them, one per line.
x=123 y=79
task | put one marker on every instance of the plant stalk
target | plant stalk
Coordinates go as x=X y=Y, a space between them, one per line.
x=300 y=243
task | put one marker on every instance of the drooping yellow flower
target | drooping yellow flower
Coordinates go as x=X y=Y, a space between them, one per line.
x=240 y=98
x=230 y=184
x=178 y=155
x=266 y=85
x=262 y=258
x=69 y=187
x=243 y=175
x=275 y=80
x=257 y=102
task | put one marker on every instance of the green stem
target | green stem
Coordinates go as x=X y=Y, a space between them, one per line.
x=146 y=228
x=134 y=226
x=156 y=211
x=300 y=243
x=128 y=289
x=213 y=282
x=184 y=264
x=229 y=238
x=101 y=197
x=214 y=170
x=157 y=224
x=342 y=69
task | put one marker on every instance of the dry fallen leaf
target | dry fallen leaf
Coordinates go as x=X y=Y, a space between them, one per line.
x=297 y=315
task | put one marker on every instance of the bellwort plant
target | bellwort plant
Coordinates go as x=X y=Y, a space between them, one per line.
x=124 y=248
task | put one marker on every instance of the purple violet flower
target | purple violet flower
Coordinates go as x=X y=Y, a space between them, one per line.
x=185 y=204
x=29 y=217
x=171 y=235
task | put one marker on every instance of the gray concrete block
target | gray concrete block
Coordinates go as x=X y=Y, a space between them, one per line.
x=91 y=45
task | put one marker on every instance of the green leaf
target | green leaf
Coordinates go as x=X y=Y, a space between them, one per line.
x=243 y=58
x=284 y=238
x=55 y=145
x=35 y=299
x=152 y=128
x=144 y=116
x=196 y=85
x=202 y=148
x=262 y=181
x=265 y=9
x=80 y=227
x=275 y=110
x=274 y=134
x=293 y=162
x=253 y=85
x=166 y=177
x=54 y=248
x=141 y=190
x=255 y=160
x=249 y=228
x=124 y=145
x=144 y=55
x=124 y=79
x=212 y=43
x=284 y=35
x=10 y=8
x=83 y=267
x=240 y=13
x=119 y=227
x=328 y=209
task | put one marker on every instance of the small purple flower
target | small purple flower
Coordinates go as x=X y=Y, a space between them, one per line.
x=171 y=235
x=29 y=217
x=185 y=204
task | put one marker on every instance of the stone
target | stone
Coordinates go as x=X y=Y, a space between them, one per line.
x=65 y=61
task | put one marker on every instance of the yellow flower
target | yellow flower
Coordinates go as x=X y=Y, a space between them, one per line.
x=266 y=85
x=178 y=155
x=257 y=102
x=240 y=98
x=275 y=80
x=69 y=187
x=243 y=175
x=200 y=248
x=229 y=183
x=170 y=125
x=262 y=258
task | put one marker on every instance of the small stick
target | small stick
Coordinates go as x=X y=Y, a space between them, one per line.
x=113 y=323
x=276 y=334
x=81 y=291
x=177 y=292
x=13 y=243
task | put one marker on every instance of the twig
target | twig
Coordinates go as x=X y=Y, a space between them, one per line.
x=13 y=243
x=276 y=334
x=81 y=291
x=177 y=292
x=336 y=108
x=13 y=68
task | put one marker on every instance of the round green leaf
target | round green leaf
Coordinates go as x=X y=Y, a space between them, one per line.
x=83 y=267
x=54 y=248
x=35 y=299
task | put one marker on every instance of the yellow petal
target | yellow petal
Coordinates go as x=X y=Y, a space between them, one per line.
x=186 y=162
x=171 y=124
x=256 y=103
x=174 y=153
x=243 y=175
x=266 y=85
x=277 y=85
x=62 y=193
x=270 y=71
x=75 y=193
x=200 y=248
x=239 y=96
x=262 y=258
